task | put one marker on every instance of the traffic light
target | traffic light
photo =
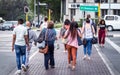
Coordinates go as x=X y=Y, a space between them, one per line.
x=26 y=9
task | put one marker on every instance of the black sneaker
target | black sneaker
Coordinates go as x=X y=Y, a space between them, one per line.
x=52 y=66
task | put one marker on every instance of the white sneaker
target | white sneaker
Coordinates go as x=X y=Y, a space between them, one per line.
x=88 y=58
x=69 y=65
x=23 y=67
x=17 y=72
x=65 y=51
x=84 y=57
x=73 y=67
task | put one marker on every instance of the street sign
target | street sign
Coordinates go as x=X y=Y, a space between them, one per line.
x=89 y=8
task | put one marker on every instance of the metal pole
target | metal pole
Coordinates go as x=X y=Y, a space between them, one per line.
x=34 y=9
x=109 y=12
x=49 y=15
x=99 y=14
x=38 y=12
x=26 y=16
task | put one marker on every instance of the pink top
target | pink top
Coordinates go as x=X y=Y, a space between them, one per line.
x=71 y=42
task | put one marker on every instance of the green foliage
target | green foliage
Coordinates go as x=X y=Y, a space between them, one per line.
x=11 y=9
x=58 y=25
x=54 y=5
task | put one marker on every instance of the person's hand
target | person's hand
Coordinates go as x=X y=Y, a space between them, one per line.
x=12 y=48
x=28 y=48
x=35 y=43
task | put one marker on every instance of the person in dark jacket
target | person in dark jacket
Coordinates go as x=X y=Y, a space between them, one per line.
x=50 y=40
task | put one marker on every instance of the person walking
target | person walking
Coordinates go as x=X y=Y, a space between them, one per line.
x=44 y=24
x=88 y=32
x=72 y=44
x=32 y=37
x=50 y=35
x=91 y=22
x=19 y=42
x=102 y=32
x=62 y=32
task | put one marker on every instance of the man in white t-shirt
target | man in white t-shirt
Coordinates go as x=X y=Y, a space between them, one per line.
x=20 y=40
x=44 y=24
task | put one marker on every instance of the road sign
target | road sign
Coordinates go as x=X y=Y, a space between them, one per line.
x=89 y=8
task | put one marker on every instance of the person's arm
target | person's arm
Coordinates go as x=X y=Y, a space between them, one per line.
x=79 y=33
x=93 y=30
x=66 y=34
x=13 y=42
x=106 y=30
x=26 y=39
x=35 y=38
x=60 y=33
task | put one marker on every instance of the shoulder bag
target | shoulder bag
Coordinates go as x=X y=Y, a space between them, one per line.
x=45 y=49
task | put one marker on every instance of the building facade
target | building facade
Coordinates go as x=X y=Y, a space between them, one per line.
x=71 y=8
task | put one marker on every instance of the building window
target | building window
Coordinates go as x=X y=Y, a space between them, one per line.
x=84 y=1
x=74 y=1
x=115 y=1
x=73 y=11
x=103 y=12
x=116 y=12
x=106 y=1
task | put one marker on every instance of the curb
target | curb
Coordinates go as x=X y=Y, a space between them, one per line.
x=116 y=35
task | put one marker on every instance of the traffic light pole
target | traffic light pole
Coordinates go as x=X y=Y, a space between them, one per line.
x=26 y=16
x=49 y=15
x=99 y=12
x=38 y=12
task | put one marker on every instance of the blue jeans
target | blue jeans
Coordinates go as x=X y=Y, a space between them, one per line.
x=88 y=47
x=49 y=55
x=20 y=52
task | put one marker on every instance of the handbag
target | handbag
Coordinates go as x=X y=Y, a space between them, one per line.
x=41 y=36
x=79 y=39
x=84 y=42
x=94 y=40
x=41 y=45
x=64 y=41
x=45 y=49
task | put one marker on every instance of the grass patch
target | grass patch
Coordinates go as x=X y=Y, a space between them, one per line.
x=58 y=25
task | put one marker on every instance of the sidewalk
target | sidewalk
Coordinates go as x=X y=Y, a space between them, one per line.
x=95 y=66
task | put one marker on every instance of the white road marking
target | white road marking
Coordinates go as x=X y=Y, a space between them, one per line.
x=33 y=55
x=104 y=60
x=5 y=51
x=116 y=47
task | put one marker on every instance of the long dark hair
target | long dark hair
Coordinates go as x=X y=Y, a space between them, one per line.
x=102 y=21
x=73 y=29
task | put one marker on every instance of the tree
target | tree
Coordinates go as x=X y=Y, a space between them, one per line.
x=54 y=5
x=11 y=9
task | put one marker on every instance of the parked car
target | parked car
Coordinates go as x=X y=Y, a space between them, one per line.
x=112 y=22
x=9 y=25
